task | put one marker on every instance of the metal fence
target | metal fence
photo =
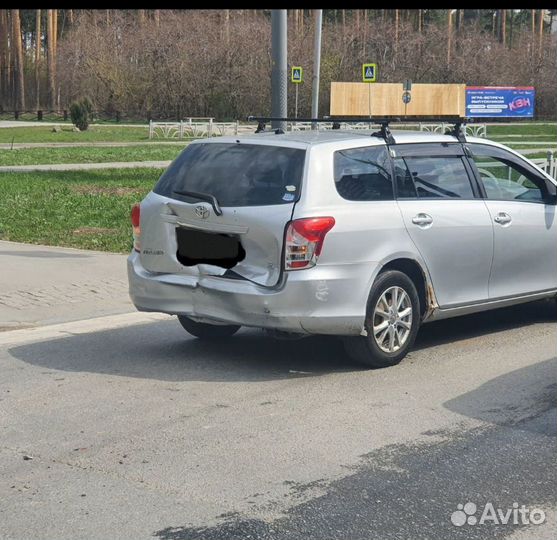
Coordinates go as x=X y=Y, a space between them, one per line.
x=474 y=130
x=195 y=128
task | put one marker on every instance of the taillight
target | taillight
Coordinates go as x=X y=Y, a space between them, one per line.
x=304 y=241
x=135 y=226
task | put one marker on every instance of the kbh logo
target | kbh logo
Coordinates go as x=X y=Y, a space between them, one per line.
x=465 y=514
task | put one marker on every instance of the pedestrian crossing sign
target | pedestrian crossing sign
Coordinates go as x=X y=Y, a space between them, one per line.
x=369 y=72
x=297 y=73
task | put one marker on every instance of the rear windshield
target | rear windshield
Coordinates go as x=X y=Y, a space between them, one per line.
x=236 y=174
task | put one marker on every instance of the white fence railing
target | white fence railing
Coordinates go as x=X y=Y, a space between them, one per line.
x=194 y=128
x=306 y=126
x=207 y=127
x=474 y=130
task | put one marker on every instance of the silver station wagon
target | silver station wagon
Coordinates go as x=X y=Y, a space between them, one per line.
x=357 y=234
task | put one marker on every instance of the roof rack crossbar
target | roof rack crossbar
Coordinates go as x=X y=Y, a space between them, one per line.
x=364 y=119
x=458 y=130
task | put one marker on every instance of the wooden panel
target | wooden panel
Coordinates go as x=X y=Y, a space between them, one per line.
x=353 y=99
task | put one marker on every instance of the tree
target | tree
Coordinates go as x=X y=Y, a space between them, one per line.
x=18 y=57
x=51 y=57
x=38 y=57
x=5 y=59
x=81 y=113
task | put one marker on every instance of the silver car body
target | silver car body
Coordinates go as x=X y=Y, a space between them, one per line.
x=469 y=260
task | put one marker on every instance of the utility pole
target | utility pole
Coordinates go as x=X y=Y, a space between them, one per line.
x=540 y=47
x=318 y=18
x=279 y=82
x=449 y=35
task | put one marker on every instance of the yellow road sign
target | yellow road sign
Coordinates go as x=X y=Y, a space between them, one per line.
x=297 y=74
x=369 y=73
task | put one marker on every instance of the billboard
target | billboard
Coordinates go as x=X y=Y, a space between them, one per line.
x=500 y=101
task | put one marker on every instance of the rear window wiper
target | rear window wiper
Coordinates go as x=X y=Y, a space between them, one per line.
x=204 y=197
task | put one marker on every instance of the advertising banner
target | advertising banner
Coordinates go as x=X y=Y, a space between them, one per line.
x=500 y=101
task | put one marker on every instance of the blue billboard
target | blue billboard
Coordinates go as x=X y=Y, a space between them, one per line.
x=500 y=101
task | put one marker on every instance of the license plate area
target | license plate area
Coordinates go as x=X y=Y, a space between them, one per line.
x=200 y=247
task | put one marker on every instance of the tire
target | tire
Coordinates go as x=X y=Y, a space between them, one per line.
x=207 y=331
x=366 y=349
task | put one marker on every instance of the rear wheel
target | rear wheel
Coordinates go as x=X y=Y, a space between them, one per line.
x=207 y=331
x=392 y=321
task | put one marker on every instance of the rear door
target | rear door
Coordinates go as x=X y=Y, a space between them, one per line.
x=449 y=225
x=524 y=221
x=221 y=209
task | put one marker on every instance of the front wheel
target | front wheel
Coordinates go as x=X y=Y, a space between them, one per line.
x=207 y=331
x=392 y=321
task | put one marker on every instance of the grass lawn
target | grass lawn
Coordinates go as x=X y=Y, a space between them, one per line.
x=538 y=155
x=526 y=129
x=34 y=156
x=82 y=209
x=93 y=134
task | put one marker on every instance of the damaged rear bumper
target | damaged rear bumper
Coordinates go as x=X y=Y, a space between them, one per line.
x=320 y=300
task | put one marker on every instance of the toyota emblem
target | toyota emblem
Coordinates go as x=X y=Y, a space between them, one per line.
x=201 y=212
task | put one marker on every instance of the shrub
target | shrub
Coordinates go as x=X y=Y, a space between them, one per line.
x=81 y=113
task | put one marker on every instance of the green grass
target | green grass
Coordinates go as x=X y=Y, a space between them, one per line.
x=82 y=209
x=93 y=134
x=531 y=147
x=536 y=156
x=34 y=156
x=526 y=129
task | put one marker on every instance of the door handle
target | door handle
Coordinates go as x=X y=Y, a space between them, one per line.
x=502 y=218
x=422 y=219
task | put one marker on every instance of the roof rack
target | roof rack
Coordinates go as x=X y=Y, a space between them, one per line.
x=457 y=131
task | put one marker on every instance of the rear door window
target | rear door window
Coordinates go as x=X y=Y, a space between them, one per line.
x=237 y=174
x=364 y=174
x=433 y=177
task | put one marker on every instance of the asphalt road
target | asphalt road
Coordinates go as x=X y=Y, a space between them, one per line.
x=139 y=431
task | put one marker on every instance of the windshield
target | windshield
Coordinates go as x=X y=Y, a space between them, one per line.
x=236 y=174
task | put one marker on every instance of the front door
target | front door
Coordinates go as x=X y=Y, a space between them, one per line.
x=525 y=224
x=447 y=221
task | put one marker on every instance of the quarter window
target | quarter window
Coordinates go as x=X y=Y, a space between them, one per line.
x=433 y=177
x=363 y=174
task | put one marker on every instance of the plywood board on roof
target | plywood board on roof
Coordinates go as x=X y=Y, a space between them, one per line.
x=385 y=99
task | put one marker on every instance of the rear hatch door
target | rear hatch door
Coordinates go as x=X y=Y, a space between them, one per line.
x=221 y=209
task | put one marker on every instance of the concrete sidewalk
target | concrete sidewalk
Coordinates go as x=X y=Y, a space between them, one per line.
x=87 y=166
x=47 y=285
